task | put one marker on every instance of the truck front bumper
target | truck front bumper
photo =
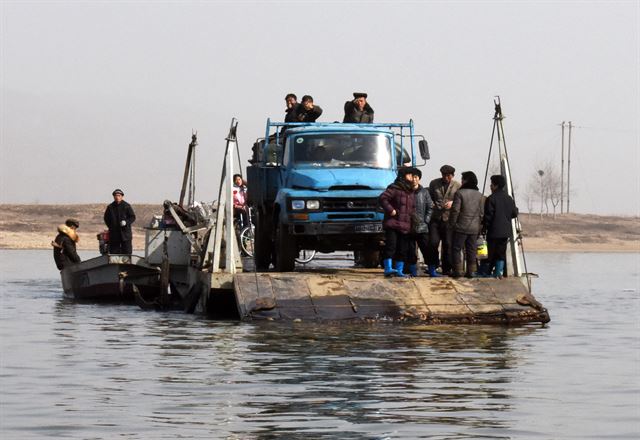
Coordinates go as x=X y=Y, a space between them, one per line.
x=336 y=228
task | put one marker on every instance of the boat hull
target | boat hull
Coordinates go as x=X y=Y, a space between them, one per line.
x=111 y=278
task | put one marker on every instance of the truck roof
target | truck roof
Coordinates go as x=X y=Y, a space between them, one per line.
x=333 y=127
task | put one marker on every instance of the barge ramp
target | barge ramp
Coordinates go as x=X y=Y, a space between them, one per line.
x=365 y=295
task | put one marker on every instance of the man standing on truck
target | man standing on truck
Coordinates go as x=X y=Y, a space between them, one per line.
x=442 y=191
x=358 y=111
x=118 y=217
x=307 y=112
x=399 y=205
x=292 y=107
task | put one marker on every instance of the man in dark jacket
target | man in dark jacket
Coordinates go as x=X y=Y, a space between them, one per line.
x=358 y=111
x=292 y=106
x=118 y=217
x=398 y=203
x=307 y=111
x=442 y=191
x=424 y=208
x=466 y=221
x=64 y=245
x=499 y=210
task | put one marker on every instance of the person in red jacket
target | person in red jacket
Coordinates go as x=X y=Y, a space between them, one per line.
x=399 y=205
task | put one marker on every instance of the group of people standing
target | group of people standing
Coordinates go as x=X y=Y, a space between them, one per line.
x=356 y=111
x=444 y=221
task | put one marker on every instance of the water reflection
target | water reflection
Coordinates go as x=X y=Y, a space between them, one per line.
x=82 y=371
x=395 y=376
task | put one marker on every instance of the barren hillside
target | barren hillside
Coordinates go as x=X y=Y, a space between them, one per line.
x=34 y=226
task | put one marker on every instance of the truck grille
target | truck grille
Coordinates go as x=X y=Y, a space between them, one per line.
x=340 y=204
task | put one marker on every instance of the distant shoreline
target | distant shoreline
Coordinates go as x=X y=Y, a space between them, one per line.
x=34 y=226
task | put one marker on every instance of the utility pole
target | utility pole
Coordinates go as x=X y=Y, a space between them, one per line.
x=541 y=173
x=569 y=170
x=562 y=173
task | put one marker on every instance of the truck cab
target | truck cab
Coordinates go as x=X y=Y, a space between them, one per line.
x=315 y=186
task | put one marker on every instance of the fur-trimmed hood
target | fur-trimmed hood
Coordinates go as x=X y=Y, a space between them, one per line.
x=72 y=234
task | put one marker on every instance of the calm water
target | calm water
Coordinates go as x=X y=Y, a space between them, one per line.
x=83 y=371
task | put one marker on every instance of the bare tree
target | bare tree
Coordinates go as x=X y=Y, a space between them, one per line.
x=544 y=188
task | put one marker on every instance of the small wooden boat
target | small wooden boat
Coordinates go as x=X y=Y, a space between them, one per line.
x=111 y=278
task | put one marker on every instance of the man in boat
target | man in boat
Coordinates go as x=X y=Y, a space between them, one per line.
x=499 y=210
x=64 y=245
x=358 y=110
x=442 y=191
x=118 y=217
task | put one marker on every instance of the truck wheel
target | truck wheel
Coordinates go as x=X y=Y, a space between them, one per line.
x=285 y=250
x=263 y=246
x=370 y=259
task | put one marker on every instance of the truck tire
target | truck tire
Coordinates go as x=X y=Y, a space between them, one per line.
x=370 y=259
x=263 y=246
x=285 y=250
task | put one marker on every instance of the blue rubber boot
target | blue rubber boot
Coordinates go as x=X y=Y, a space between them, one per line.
x=432 y=272
x=400 y=269
x=413 y=270
x=499 y=270
x=387 y=263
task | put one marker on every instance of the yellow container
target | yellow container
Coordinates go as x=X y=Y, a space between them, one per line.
x=482 y=252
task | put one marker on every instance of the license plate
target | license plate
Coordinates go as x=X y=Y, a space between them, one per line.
x=369 y=227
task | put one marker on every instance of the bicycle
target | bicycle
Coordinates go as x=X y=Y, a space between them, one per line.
x=247 y=239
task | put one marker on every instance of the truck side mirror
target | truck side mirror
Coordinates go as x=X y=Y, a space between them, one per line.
x=424 y=149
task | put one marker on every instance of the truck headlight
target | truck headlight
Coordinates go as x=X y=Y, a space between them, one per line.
x=313 y=204
x=297 y=204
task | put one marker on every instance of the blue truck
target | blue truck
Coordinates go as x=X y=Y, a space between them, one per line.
x=315 y=186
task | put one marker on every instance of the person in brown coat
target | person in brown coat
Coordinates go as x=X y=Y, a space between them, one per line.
x=399 y=205
x=442 y=191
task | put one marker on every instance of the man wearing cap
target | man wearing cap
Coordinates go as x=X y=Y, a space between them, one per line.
x=358 y=111
x=118 y=217
x=64 y=245
x=442 y=191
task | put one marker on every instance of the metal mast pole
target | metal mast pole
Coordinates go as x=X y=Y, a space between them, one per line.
x=562 y=173
x=517 y=267
x=569 y=170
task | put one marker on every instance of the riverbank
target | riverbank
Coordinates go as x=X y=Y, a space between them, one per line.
x=34 y=226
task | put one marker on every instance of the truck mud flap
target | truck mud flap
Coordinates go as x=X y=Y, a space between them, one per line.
x=367 y=296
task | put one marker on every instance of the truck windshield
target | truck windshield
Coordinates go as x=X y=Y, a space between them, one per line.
x=342 y=150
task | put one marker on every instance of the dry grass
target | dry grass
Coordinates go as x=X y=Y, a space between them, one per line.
x=34 y=226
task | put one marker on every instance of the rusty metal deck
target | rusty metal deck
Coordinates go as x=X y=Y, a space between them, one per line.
x=362 y=294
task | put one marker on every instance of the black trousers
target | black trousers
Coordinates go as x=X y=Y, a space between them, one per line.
x=120 y=247
x=497 y=249
x=399 y=247
x=422 y=240
x=439 y=232
x=468 y=244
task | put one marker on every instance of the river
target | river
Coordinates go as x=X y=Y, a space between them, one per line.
x=82 y=371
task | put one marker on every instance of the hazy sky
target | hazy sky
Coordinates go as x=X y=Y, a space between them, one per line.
x=98 y=95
